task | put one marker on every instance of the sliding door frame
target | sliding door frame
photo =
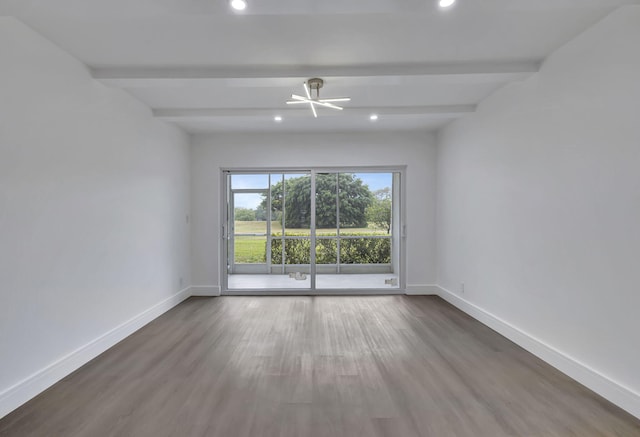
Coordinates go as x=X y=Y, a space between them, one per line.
x=400 y=229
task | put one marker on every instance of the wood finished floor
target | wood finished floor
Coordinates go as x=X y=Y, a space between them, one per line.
x=317 y=366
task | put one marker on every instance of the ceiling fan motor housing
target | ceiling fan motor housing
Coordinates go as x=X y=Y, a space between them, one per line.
x=315 y=83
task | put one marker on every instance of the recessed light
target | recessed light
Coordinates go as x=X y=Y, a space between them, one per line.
x=446 y=3
x=373 y=117
x=277 y=119
x=239 y=5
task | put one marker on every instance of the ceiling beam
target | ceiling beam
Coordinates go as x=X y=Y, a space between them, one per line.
x=134 y=76
x=203 y=113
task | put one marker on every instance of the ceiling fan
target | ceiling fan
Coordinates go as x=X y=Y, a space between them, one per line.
x=316 y=84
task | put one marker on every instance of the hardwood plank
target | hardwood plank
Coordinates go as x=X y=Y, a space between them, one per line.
x=317 y=366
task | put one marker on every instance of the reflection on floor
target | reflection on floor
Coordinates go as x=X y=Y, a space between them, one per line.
x=329 y=282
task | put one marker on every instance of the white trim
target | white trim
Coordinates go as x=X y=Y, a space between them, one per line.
x=223 y=236
x=422 y=290
x=178 y=114
x=205 y=290
x=127 y=76
x=28 y=388
x=606 y=387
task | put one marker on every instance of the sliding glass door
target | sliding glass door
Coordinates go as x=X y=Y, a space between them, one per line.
x=261 y=253
x=312 y=230
x=354 y=232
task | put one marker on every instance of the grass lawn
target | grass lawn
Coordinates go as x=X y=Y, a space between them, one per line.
x=252 y=250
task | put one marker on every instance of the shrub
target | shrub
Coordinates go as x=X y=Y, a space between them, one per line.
x=365 y=250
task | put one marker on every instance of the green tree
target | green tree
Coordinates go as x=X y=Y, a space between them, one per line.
x=355 y=197
x=261 y=213
x=379 y=211
x=245 y=214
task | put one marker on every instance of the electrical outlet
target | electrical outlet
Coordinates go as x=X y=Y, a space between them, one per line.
x=462 y=287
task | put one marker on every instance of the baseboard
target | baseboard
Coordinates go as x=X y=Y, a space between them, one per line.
x=609 y=389
x=28 y=388
x=205 y=290
x=422 y=290
x=332 y=292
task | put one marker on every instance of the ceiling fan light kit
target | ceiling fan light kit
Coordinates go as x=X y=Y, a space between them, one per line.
x=311 y=85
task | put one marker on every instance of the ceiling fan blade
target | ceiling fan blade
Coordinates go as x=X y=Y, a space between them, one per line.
x=294 y=102
x=306 y=90
x=329 y=105
x=313 y=108
x=336 y=99
x=297 y=97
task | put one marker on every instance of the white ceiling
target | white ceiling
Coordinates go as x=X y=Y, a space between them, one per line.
x=407 y=60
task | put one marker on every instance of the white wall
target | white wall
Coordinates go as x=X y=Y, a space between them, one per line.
x=539 y=203
x=93 y=197
x=210 y=153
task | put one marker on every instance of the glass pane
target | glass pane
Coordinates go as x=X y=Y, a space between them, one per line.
x=249 y=181
x=365 y=202
x=326 y=251
x=365 y=250
x=297 y=251
x=326 y=204
x=250 y=213
x=296 y=204
x=276 y=251
x=250 y=250
x=277 y=197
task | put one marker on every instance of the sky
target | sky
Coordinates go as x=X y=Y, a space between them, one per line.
x=375 y=181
